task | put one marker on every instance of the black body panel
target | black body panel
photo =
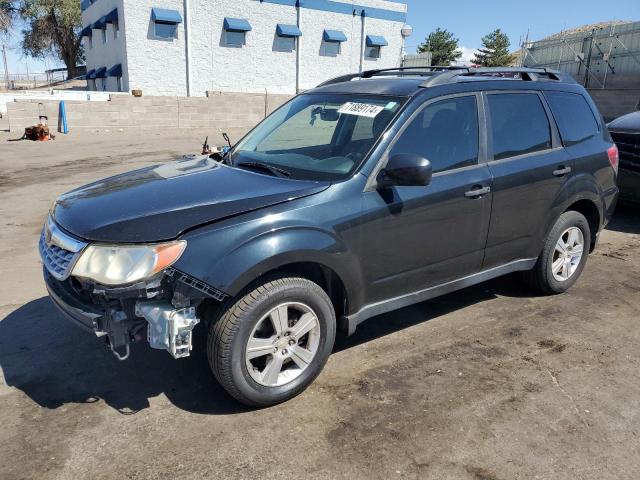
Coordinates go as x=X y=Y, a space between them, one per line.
x=161 y=202
x=625 y=131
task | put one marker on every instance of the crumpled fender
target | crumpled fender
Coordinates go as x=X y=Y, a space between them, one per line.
x=234 y=269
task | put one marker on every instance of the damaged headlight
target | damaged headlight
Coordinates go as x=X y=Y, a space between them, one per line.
x=119 y=265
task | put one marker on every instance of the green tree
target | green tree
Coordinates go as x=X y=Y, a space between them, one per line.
x=52 y=28
x=443 y=47
x=6 y=15
x=494 y=51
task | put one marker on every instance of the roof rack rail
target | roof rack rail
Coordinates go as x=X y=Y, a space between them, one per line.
x=431 y=70
x=524 y=73
x=441 y=75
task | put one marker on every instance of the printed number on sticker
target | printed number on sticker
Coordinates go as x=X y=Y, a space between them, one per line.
x=361 y=109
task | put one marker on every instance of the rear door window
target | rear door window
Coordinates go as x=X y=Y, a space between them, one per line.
x=519 y=124
x=445 y=133
x=574 y=117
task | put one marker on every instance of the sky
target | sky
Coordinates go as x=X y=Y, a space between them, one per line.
x=469 y=20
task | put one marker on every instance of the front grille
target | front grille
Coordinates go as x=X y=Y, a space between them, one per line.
x=629 y=148
x=57 y=260
x=59 y=252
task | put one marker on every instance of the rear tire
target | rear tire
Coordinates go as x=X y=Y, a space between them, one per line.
x=271 y=342
x=563 y=256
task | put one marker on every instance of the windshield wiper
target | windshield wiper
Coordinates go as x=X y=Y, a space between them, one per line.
x=275 y=171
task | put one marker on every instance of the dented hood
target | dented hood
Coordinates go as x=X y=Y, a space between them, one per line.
x=159 y=203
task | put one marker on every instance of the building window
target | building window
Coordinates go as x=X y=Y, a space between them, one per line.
x=285 y=44
x=330 y=49
x=331 y=43
x=234 y=32
x=116 y=72
x=372 y=52
x=90 y=42
x=104 y=35
x=286 y=36
x=116 y=30
x=374 y=46
x=235 y=39
x=165 y=30
x=165 y=23
x=112 y=18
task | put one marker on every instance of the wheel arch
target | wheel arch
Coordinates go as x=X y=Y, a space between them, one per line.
x=311 y=253
x=580 y=194
x=589 y=209
x=324 y=276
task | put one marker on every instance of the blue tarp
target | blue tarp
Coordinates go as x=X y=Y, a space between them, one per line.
x=166 y=16
x=236 y=25
x=115 y=71
x=376 y=41
x=288 y=30
x=334 y=36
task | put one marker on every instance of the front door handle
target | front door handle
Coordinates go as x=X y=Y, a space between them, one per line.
x=562 y=171
x=477 y=191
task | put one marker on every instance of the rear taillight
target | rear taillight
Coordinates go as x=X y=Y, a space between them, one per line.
x=614 y=157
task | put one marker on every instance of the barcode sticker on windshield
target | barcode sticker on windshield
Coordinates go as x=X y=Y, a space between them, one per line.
x=361 y=109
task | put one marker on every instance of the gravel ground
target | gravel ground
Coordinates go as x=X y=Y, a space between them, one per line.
x=492 y=382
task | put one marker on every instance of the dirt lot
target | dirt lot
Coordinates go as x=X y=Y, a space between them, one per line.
x=493 y=382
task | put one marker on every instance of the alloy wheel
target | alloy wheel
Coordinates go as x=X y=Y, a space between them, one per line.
x=567 y=254
x=283 y=344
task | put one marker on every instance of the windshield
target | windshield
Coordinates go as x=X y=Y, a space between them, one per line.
x=317 y=136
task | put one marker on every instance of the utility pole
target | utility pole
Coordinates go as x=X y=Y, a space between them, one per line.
x=6 y=69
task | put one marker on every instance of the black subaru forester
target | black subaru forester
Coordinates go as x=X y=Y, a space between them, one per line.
x=369 y=193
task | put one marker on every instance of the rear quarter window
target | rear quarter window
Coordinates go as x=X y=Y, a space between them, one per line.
x=574 y=117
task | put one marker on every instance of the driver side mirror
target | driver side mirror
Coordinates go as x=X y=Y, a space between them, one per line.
x=405 y=170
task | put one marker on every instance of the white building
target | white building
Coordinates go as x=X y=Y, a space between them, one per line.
x=189 y=47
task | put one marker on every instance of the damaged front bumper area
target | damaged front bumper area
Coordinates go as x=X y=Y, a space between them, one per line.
x=161 y=310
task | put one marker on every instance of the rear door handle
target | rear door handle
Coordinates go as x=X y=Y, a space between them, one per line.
x=477 y=191
x=562 y=171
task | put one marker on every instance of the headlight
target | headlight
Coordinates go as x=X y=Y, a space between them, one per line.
x=119 y=265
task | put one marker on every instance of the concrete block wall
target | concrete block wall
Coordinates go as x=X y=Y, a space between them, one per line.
x=219 y=110
x=22 y=114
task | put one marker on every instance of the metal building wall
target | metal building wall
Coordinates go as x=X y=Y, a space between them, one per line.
x=607 y=57
x=417 y=60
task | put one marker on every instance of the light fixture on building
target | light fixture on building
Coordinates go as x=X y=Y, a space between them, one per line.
x=406 y=31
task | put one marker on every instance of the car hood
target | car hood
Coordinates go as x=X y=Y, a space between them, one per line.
x=160 y=202
x=626 y=123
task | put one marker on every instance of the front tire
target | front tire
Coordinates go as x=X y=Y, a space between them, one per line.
x=563 y=256
x=272 y=341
